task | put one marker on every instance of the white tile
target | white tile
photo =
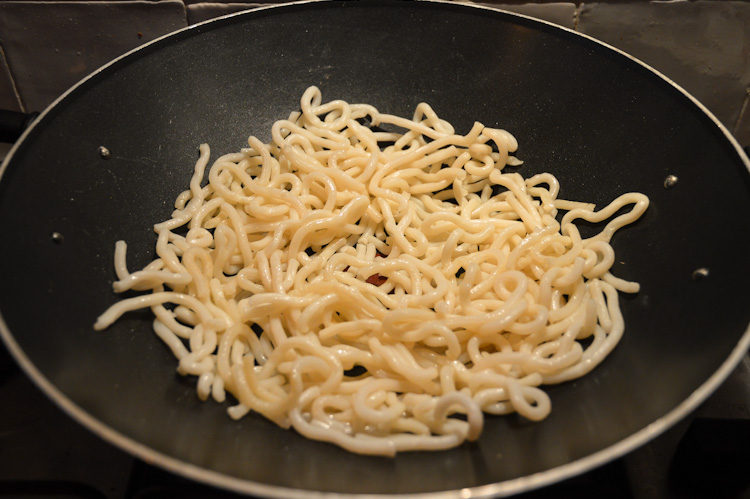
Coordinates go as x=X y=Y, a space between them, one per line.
x=204 y=11
x=702 y=46
x=560 y=13
x=230 y=2
x=52 y=45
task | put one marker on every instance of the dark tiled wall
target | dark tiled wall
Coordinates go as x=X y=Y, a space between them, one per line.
x=702 y=45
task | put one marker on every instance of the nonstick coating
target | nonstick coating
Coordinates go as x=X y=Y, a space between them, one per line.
x=601 y=122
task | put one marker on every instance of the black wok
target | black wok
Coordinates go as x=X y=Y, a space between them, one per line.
x=602 y=122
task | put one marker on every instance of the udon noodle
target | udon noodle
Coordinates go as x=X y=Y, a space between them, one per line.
x=380 y=282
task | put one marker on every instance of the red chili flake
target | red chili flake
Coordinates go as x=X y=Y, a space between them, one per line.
x=376 y=279
x=140 y=35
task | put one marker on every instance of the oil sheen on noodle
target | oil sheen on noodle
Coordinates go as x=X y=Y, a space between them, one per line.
x=380 y=290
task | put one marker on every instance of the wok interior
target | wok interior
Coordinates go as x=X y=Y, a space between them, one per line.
x=601 y=123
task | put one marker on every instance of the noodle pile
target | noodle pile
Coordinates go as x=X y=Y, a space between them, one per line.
x=380 y=290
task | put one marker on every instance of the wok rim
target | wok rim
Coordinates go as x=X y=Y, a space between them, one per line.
x=498 y=489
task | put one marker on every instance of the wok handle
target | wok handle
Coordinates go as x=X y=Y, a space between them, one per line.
x=13 y=124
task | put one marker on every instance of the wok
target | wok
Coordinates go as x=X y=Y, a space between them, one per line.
x=601 y=121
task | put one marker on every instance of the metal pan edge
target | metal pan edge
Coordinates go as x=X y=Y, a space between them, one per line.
x=501 y=489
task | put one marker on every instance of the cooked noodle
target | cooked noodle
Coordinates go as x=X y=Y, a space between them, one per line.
x=380 y=290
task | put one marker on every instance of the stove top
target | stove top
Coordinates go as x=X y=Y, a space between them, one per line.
x=46 y=454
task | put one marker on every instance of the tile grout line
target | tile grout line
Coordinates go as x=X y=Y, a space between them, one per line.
x=12 y=80
x=577 y=15
x=743 y=110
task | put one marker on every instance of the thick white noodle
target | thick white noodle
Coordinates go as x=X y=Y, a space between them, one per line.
x=380 y=290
